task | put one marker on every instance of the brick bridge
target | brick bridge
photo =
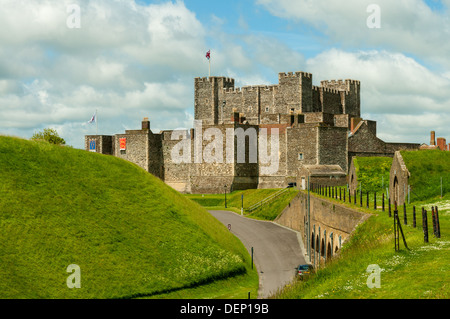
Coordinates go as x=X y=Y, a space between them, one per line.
x=331 y=224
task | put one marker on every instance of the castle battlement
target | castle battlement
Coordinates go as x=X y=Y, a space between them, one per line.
x=269 y=88
x=333 y=83
x=226 y=80
x=250 y=88
x=203 y=79
x=340 y=84
x=232 y=90
x=353 y=82
x=294 y=75
x=326 y=89
x=331 y=90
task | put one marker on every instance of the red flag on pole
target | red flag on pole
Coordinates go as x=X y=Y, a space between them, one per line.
x=208 y=54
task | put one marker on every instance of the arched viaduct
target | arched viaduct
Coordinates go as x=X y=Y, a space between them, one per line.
x=331 y=224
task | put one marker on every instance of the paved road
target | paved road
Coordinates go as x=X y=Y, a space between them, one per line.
x=277 y=250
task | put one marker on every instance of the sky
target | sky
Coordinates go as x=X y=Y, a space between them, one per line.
x=63 y=60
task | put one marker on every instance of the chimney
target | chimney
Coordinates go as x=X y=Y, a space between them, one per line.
x=433 y=138
x=442 y=143
x=145 y=124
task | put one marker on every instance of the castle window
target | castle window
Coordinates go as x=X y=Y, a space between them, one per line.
x=300 y=156
x=267 y=109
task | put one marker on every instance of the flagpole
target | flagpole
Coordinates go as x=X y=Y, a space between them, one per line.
x=209 y=63
x=96 y=120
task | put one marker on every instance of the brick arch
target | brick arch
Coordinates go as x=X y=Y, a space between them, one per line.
x=322 y=248
x=317 y=243
x=396 y=191
x=329 y=252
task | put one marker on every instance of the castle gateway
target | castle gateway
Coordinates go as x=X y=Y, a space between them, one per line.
x=257 y=136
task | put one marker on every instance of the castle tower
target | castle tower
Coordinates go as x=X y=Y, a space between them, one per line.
x=294 y=92
x=350 y=95
x=209 y=98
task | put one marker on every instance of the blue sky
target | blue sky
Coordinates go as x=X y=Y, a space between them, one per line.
x=130 y=60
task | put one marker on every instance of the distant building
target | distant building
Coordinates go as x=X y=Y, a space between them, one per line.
x=441 y=143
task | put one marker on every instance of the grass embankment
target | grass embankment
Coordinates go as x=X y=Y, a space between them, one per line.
x=268 y=211
x=427 y=167
x=131 y=235
x=373 y=173
x=423 y=271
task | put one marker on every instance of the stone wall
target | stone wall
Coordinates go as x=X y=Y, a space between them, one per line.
x=333 y=219
x=275 y=179
x=352 y=177
x=137 y=147
x=301 y=147
x=332 y=146
x=398 y=180
x=103 y=143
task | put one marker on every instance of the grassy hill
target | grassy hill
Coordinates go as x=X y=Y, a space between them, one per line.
x=427 y=167
x=420 y=272
x=373 y=173
x=131 y=235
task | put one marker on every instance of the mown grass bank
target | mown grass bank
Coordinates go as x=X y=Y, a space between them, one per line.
x=131 y=235
x=423 y=271
x=268 y=211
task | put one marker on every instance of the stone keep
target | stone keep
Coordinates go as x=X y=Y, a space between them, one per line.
x=316 y=125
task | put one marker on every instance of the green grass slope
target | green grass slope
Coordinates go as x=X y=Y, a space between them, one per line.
x=268 y=211
x=427 y=167
x=422 y=272
x=373 y=173
x=131 y=235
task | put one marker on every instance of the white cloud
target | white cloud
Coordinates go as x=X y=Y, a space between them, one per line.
x=131 y=60
x=128 y=60
x=406 y=98
x=408 y=26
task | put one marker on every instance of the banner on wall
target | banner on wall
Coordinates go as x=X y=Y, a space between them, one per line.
x=123 y=144
x=92 y=146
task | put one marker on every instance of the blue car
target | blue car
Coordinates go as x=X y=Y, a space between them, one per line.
x=304 y=270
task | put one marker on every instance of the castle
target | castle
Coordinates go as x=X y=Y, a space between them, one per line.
x=317 y=127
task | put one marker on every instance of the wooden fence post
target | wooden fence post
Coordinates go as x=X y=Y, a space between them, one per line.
x=405 y=219
x=425 y=225
x=438 y=225
x=360 y=198
x=375 y=200
x=367 y=199
x=390 y=213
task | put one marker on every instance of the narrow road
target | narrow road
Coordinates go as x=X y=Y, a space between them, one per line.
x=277 y=250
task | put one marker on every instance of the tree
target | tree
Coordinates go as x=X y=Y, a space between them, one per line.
x=49 y=135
